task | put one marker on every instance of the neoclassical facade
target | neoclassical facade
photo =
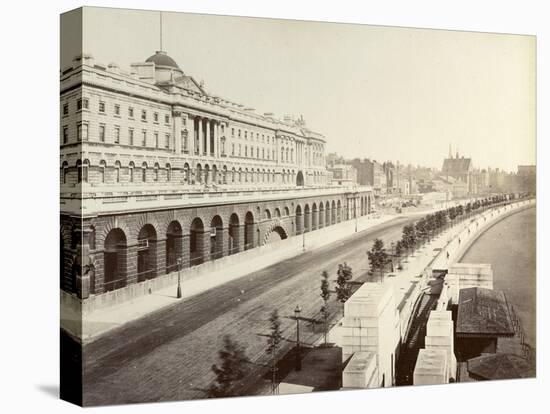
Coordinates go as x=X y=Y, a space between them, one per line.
x=154 y=169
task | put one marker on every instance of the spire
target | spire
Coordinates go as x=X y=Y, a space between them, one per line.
x=450 y=151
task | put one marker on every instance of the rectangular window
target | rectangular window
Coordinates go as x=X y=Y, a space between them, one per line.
x=239 y=150
x=184 y=120
x=130 y=136
x=245 y=151
x=155 y=116
x=82 y=104
x=232 y=149
x=167 y=141
x=130 y=112
x=156 y=139
x=102 y=133
x=143 y=138
x=239 y=133
x=82 y=132
x=65 y=134
x=117 y=135
x=232 y=132
x=66 y=109
x=143 y=115
x=166 y=119
x=184 y=143
x=245 y=134
x=102 y=107
x=117 y=109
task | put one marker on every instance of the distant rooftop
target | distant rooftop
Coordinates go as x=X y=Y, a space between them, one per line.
x=483 y=312
x=456 y=166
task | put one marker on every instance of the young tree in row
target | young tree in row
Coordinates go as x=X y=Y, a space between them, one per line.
x=230 y=371
x=441 y=219
x=398 y=253
x=325 y=295
x=409 y=238
x=378 y=258
x=343 y=289
x=273 y=341
x=421 y=229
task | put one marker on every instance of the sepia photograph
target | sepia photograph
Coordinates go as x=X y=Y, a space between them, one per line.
x=260 y=206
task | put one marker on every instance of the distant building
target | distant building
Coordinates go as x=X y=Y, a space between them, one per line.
x=342 y=174
x=527 y=178
x=457 y=172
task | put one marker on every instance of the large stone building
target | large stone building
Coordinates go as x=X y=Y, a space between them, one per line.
x=371 y=173
x=154 y=169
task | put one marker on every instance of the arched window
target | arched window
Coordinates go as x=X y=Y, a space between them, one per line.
x=65 y=170
x=168 y=172
x=282 y=154
x=131 y=171
x=79 y=171
x=186 y=173
x=156 y=171
x=233 y=175
x=224 y=175
x=102 y=168
x=117 y=171
x=198 y=174
x=144 y=172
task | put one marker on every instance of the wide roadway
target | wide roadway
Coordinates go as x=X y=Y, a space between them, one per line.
x=168 y=354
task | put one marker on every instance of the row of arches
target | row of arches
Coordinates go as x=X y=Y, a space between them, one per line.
x=200 y=174
x=317 y=215
x=154 y=255
x=123 y=255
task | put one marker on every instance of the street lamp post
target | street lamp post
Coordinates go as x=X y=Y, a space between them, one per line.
x=297 y=312
x=178 y=295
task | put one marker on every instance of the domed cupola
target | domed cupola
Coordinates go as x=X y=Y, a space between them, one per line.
x=160 y=58
x=166 y=68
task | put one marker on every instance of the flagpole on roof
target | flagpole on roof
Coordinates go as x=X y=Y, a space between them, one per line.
x=160 y=16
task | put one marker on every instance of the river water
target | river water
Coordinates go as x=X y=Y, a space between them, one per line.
x=510 y=247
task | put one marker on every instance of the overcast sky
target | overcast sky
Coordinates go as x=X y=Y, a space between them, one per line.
x=376 y=92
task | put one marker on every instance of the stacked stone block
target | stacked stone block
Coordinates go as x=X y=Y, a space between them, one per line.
x=440 y=336
x=467 y=275
x=431 y=367
x=370 y=325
